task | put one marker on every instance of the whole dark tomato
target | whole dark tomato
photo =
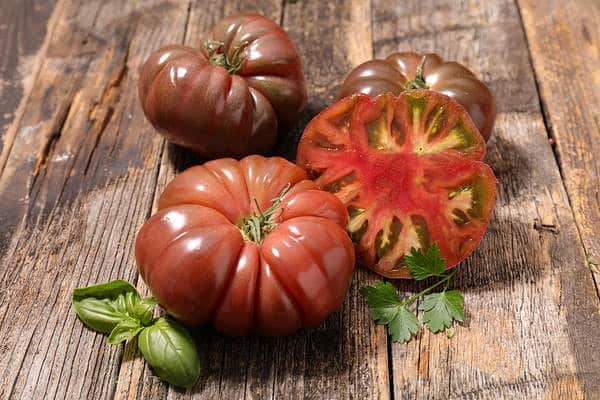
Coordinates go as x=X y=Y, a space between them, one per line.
x=232 y=95
x=249 y=246
x=404 y=71
x=408 y=169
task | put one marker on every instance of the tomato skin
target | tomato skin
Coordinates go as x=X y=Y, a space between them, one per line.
x=201 y=268
x=391 y=74
x=200 y=105
x=410 y=171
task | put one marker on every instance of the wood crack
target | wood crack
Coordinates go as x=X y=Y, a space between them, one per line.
x=48 y=145
x=282 y=12
x=542 y=103
x=390 y=365
x=103 y=111
x=187 y=21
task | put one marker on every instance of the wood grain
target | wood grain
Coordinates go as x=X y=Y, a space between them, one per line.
x=565 y=50
x=79 y=181
x=23 y=27
x=532 y=312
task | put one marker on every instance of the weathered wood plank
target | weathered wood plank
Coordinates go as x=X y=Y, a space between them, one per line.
x=79 y=181
x=23 y=27
x=345 y=358
x=564 y=41
x=533 y=317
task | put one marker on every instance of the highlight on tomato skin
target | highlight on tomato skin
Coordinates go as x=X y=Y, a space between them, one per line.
x=249 y=246
x=409 y=170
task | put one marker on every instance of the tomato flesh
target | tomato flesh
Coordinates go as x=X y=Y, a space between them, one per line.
x=408 y=169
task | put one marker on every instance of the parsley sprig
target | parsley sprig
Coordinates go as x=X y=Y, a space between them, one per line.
x=440 y=309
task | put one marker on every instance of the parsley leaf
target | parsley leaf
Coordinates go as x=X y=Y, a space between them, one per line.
x=381 y=295
x=441 y=309
x=404 y=326
x=423 y=266
x=388 y=309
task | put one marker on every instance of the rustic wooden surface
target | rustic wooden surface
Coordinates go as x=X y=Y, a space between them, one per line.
x=80 y=170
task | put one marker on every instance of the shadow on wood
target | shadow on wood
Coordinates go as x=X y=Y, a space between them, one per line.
x=508 y=161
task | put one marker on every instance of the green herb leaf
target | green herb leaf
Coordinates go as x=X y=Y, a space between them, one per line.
x=388 y=309
x=423 y=266
x=102 y=307
x=109 y=290
x=171 y=352
x=404 y=326
x=144 y=310
x=99 y=315
x=116 y=308
x=380 y=295
x=125 y=330
x=441 y=309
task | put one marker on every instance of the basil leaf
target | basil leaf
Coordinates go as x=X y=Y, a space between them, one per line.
x=99 y=315
x=171 y=352
x=127 y=329
x=109 y=290
x=144 y=310
x=102 y=307
x=126 y=302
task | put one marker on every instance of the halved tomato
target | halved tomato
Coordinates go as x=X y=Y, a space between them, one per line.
x=409 y=170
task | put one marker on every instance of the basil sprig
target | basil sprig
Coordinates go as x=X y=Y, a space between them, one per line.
x=116 y=308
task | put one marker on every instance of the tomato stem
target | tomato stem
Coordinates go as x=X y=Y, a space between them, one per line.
x=258 y=225
x=217 y=56
x=419 y=80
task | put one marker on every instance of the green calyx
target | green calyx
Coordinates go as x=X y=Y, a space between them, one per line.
x=258 y=225
x=419 y=80
x=217 y=56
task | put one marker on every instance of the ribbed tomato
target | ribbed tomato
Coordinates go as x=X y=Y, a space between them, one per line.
x=249 y=246
x=407 y=70
x=409 y=170
x=231 y=95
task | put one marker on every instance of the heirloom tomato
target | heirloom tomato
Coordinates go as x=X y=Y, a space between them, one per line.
x=408 y=169
x=402 y=71
x=249 y=246
x=231 y=95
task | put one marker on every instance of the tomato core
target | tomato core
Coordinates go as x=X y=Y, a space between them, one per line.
x=258 y=225
x=419 y=80
x=393 y=181
x=218 y=57
x=389 y=176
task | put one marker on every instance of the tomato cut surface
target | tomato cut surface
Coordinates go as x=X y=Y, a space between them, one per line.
x=408 y=169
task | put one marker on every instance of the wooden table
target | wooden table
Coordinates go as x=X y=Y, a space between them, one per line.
x=80 y=169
